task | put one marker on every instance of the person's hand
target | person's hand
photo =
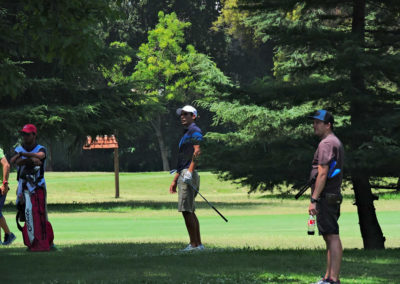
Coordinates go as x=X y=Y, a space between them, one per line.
x=172 y=188
x=36 y=161
x=187 y=177
x=312 y=209
x=4 y=189
x=196 y=153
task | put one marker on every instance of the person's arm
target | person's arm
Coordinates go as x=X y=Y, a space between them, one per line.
x=196 y=155
x=6 y=172
x=172 y=188
x=14 y=158
x=38 y=155
x=319 y=187
x=187 y=177
x=28 y=162
x=35 y=158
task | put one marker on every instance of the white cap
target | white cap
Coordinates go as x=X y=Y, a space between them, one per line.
x=187 y=108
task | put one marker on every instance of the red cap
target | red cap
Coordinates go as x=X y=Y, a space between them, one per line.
x=29 y=128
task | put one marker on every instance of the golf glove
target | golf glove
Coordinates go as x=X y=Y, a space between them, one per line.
x=187 y=177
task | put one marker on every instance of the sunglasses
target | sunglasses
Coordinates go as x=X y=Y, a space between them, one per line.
x=186 y=113
x=26 y=134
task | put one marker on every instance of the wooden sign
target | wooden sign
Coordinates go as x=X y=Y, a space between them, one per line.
x=106 y=142
x=101 y=142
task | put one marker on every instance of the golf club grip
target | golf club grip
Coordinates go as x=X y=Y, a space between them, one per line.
x=301 y=192
x=219 y=213
x=304 y=189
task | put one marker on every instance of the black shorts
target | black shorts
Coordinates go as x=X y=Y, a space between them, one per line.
x=328 y=213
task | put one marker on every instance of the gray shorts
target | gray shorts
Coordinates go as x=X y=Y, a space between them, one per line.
x=186 y=194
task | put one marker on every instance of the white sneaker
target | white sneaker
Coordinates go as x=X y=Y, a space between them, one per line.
x=188 y=248
x=322 y=281
x=200 y=247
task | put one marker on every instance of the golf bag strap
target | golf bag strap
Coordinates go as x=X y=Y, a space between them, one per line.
x=16 y=219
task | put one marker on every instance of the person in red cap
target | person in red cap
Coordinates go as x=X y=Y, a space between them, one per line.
x=30 y=158
x=27 y=154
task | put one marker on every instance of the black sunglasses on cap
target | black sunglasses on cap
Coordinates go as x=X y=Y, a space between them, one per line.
x=186 y=113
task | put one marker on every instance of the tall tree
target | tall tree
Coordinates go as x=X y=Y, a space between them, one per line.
x=52 y=57
x=339 y=55
x=169 y=73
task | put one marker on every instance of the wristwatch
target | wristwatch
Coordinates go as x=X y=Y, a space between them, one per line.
x=313 y=200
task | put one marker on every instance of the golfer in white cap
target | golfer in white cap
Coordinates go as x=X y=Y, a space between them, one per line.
x=186 y=175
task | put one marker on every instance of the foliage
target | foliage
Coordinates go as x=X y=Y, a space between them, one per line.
x=168 y=71
x=52 y=60
x=320 y=62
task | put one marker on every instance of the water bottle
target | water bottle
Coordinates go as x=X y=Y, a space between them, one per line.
x=311 y=225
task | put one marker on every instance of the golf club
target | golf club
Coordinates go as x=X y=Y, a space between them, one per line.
x=212 y=206
x=331 y=174
x=219 y=213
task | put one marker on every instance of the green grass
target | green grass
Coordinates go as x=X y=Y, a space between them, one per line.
x=136 y=238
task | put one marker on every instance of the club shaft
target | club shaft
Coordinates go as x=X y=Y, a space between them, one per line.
x=301 y=191
x=212 y=206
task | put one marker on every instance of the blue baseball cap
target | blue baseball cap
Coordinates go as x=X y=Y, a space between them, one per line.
x=323 y=115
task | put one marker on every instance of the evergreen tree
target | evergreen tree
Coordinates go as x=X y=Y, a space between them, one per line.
x=339 y=55
x=51 y=61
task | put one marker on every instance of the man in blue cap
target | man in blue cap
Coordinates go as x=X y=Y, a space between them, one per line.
x=326 y=197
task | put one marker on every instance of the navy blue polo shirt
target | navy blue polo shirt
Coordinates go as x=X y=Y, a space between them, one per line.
x=192 y=136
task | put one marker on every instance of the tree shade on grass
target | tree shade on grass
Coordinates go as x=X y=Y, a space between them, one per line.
x=138 y=238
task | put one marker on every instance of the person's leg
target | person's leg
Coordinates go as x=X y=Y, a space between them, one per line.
x=191 y=225
x=328 y=259
x=3 y=225
x=198 y=237
x=336 y=252
x=3 y=222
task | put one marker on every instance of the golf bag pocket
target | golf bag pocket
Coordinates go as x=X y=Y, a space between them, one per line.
x=37 y=232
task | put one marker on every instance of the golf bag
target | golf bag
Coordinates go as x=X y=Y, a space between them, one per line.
x=37 y=232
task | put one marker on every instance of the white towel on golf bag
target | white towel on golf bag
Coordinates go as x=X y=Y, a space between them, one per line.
x=39 y=181
x=29 y=216
x=21 y=182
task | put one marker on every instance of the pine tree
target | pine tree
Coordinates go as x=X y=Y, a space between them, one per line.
x=339 y=55
x=51 y=58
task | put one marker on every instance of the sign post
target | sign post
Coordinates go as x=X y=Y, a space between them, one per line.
x=116 y=171
x=106 y=142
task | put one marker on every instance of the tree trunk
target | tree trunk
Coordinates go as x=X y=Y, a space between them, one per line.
x=49 y=158
x=156 y=124
x=369 y=226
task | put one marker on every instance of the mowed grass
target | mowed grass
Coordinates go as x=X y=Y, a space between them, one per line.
x=136 y=238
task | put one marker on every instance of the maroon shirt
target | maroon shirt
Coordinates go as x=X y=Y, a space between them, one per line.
x=330 y=148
